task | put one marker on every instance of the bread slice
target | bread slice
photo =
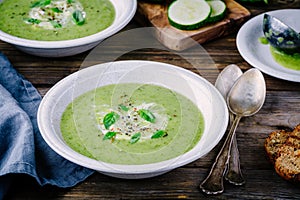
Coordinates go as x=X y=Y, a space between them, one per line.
x=283 y=150
x=273 y=142
x=293 y=141
x=296 y=131
x=287 y=165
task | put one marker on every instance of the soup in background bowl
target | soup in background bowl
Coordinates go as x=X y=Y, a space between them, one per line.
x=53 y=20
x=57 y=28
x=133 y=119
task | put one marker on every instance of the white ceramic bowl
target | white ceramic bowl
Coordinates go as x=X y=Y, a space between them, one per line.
x=125 y=11
x=259 y=55
x=196 y=88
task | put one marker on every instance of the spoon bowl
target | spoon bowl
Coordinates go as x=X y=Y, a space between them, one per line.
x=280 y=35
x=227 y=78
x=247 y=94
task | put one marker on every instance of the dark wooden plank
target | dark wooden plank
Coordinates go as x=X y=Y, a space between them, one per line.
x=280 y=111
x=179 y=183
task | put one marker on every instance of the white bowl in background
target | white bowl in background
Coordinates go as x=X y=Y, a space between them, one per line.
x=197 y=89
x=125 y=11
x=259 y=55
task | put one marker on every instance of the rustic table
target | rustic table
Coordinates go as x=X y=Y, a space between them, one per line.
x=281 y=110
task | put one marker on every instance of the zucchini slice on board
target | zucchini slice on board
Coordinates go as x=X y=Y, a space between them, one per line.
x=189 y=14
x=218 y=10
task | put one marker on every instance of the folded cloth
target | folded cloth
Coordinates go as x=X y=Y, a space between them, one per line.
x=22 y=148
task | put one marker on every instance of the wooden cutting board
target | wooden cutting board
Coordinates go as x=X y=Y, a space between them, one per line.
x=156 y=15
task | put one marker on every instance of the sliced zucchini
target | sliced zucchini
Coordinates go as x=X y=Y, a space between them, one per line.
x=188 y=14
x=218 y=10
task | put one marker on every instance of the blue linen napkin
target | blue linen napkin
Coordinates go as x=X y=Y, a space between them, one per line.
x=22 y=148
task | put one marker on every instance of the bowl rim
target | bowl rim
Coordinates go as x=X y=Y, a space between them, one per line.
x=97 y=37
x=135 y=169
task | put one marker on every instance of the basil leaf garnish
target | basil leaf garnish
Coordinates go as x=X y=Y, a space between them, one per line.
x=109 y=119
x=124 y=108
x=109 y=135
x=70 y=1
x=33 y=21
x=56 y=10
x=158 y=134
x=55 y=24
x=78 y=17
x=40 y=3
x=136 y=137
x=147 y=115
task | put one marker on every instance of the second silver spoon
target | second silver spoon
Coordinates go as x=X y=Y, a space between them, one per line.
x=224 y=83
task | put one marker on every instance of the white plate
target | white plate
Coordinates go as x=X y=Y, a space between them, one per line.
x=196 y=88
x=258 y=55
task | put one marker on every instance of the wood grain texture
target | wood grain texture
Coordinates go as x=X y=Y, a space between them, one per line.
x=175 y=39
x=281 y=110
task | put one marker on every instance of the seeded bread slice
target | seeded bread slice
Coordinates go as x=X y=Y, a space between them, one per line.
x=293 y=141
x=283 y=150
x=296 y=131
x=273 y=142
x=287 y=165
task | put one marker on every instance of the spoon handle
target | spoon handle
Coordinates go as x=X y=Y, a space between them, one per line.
x=234 y=174
x=213 y=184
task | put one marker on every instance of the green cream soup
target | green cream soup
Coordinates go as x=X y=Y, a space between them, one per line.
x=132 y=124
x=291 y=61
x=50 y=20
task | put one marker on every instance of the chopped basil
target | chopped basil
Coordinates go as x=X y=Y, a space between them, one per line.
x=32 y=21
x=40 y=3
x=135 y=138
x=56 y=10
x=147 y=115
x=158 y=134
x=109 y=119
x=70 y=1
x=78 y=17
x=109 y=135
x=124 y=108
x=55 y=24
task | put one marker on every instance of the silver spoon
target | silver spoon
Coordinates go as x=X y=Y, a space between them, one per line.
x=227 y=78
x=224 y=83
x=245 y=98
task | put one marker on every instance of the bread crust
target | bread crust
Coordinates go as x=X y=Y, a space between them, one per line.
x=273 y=142
x=287 y=165
x=283 y=150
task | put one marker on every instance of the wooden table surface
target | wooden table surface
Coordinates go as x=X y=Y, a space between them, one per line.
x=280 y=111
